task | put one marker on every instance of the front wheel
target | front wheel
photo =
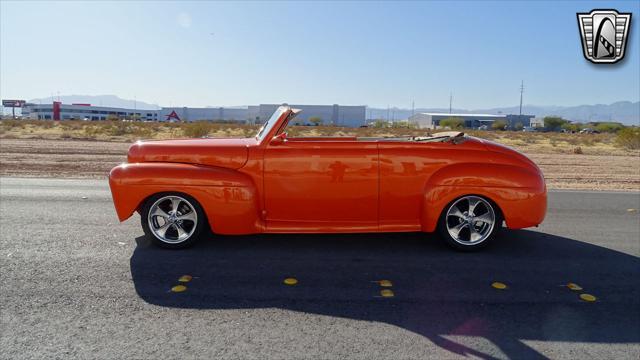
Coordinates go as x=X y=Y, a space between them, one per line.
x=469 y=223
x=172 y=221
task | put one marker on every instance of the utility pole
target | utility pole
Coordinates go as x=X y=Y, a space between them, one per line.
x=387 y=112
x=450 y=101
x=521 y=91
x=413 y=107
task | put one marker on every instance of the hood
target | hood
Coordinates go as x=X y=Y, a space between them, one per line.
x=228 y=153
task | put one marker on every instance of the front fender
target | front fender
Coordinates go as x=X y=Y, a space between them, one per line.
x=519 y=192
x=228 y=197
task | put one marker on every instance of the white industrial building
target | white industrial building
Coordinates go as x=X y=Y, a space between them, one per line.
x=339 y=115
x=432 y=120
x=83 y=112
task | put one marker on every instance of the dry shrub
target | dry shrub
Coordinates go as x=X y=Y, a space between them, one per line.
x=629 y=138
x=577 y=150
x=197 y=129
x=10 y=124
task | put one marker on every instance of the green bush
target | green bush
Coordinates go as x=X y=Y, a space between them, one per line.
x=572 y=127
x=629 y=138
x=315 y=120
x=197 y=129
x=452 y=123
x=499 y=125
x=610 y=127
x=554 y=123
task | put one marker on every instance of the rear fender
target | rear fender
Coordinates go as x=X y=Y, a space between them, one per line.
x=228 y=197
x=519 y=192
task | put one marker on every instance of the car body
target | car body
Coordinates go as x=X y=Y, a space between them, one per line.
x=273 y=183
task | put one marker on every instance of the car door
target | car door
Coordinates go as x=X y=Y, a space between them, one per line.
x=321 y=184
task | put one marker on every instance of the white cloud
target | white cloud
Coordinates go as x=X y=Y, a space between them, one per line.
x=184 y=20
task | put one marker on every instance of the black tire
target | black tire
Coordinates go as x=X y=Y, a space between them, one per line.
x=196 y=231
x=469 y=247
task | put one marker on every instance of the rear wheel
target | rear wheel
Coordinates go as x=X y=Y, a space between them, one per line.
x=172 y=221
x=469 y=223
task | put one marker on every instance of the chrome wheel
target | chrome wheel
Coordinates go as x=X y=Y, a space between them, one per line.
x=470 y=220
x=172 y=219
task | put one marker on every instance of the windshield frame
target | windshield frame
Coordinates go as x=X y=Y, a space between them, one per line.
x=270 y=123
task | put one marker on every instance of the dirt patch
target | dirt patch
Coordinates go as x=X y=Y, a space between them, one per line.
x=94 y=159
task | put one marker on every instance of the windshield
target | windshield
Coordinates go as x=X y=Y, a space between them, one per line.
x=268 y=125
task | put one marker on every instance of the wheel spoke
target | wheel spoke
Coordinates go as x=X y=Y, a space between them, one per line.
x=162 y=229
x=486 y=218
x=473 y=202
x=455 y=211
x=159 y=212
x=175 y=202
x=473 y=234
x=455 y=231
x=180 y=230
x=190 y=216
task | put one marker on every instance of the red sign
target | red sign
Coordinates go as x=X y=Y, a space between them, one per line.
x=173 y=115
x=56 y=110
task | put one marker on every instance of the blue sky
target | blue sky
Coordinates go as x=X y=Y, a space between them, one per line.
x=376 y=54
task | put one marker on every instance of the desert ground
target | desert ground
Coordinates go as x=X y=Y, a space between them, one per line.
x=90 y=150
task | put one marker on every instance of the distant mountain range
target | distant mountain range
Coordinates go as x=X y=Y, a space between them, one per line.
x=98 y=100
x=626 y=112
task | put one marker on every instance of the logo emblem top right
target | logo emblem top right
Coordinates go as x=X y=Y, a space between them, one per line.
x=604 y=34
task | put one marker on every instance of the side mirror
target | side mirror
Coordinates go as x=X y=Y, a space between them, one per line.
x=278 y=139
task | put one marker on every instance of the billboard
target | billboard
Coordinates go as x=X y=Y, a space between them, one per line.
x=13 y=103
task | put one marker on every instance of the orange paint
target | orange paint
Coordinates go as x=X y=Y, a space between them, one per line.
x=326 y=184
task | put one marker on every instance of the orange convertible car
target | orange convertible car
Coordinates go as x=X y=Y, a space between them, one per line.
x=462 y=186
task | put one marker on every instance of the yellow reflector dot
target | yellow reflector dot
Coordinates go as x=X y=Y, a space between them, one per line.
x=574 y=287
x=499 y=285
x=631 y=210
x=385 y=283
x=179 y=288
x=386 y=293
x=588 y=297
x=290 y=281
x=185 y=278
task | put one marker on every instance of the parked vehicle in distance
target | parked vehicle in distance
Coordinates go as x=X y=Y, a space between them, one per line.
x=589 y=131
x=461 y=186
x=529 y=129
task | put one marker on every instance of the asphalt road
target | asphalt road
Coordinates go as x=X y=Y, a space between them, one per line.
x=76 y=283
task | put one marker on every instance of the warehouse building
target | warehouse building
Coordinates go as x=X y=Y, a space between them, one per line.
x=338 y=115
x=59 y=111
x=474 y=121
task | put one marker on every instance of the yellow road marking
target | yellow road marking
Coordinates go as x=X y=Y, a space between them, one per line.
x=574 y=287
x=386 y=293
x=499 y=285
x=588 y=297
x=290 y=281
x=185 y=278
x=179 y=288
